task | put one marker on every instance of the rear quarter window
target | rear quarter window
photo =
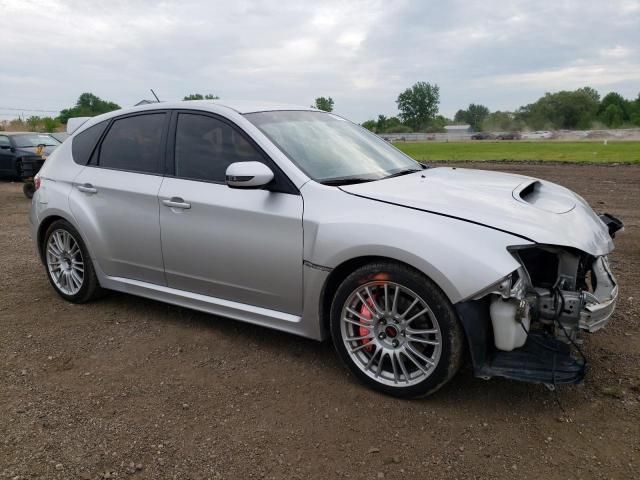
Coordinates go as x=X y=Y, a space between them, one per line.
x=85 y=142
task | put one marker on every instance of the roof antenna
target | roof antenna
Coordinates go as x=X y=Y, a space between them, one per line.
x=154 y=94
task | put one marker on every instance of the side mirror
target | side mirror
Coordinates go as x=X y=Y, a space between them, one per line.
x=248 y=175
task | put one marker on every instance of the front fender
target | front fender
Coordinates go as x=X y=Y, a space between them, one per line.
x=461 y=257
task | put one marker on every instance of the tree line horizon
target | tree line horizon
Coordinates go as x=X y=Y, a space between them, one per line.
x=418 y=111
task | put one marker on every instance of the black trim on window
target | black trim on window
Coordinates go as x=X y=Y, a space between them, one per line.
x=280 y=183
x=169 y=154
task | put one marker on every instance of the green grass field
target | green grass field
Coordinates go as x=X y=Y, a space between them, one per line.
x=571 y=152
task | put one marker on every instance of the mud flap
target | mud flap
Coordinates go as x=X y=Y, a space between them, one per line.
x=540 y=360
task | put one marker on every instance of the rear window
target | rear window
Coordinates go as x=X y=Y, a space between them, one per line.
x=85 y=142
x=134 y=144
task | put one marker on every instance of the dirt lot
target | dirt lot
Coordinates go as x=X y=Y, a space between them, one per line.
x=131 y=388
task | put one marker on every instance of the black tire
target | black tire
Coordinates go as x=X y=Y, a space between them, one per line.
x=90 y=287
x=452 y=337
x=28 y=189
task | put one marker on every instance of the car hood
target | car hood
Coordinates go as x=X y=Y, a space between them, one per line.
x=534 y=209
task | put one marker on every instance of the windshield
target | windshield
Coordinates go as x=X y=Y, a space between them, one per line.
x=35 y=139
x=328 y=148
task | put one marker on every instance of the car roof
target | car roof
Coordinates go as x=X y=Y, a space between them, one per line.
x=240 y=107
x=254 y=107
x=23 y=133
x=226 y=108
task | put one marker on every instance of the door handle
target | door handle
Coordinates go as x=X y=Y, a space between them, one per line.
x=177 y=202
x=87 y=188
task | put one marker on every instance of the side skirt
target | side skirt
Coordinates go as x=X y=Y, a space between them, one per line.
x=216 y=306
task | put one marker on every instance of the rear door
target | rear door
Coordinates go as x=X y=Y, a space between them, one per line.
x=115 y=197
x=239 y=245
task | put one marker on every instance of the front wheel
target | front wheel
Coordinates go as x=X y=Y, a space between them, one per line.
x=396 y=330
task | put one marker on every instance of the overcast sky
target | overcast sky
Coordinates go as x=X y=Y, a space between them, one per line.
x=362 y=53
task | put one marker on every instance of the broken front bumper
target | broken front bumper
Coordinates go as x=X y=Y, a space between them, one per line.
x=542 y=359
x=600 y=304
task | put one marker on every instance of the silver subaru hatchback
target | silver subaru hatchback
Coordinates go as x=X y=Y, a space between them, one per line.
x=299 y=220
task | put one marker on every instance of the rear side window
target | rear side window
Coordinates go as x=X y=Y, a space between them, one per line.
x=135 y=144
x=85 y=142
x=205 y=147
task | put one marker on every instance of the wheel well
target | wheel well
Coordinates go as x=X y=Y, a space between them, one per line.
x=338 y=274
x=42 y=229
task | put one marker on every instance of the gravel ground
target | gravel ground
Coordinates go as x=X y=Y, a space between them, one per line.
x=131 y=388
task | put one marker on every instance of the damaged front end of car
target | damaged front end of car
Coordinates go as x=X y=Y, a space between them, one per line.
x=527 y=326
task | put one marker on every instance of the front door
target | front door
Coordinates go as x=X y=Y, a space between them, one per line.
x=238 y=245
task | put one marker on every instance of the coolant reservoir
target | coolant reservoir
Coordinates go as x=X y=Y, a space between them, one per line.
x=507 y=330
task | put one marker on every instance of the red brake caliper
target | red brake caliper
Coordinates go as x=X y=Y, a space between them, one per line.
x=363 y=330
x=366 y=313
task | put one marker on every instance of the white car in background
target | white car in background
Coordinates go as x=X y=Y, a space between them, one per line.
x=537 y=135
x=299 y=220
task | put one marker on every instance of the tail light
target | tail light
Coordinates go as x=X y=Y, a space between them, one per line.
x=37 y=181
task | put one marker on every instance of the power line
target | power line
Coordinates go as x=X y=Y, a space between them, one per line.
x=27 y=110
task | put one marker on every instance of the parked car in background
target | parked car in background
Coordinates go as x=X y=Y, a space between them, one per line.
x=483 y=136
x=509 y=136
x=18 y=147
x=299 y=220
x=538 y=135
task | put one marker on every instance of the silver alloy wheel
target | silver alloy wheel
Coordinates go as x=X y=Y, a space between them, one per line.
x=65 y=262
x=390 y=333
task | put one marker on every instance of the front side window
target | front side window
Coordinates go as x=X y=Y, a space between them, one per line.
x=135 y=144
x=205 y=147
x=330 y=149
x=4 y=141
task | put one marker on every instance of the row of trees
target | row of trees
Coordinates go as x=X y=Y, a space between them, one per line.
x=87 y=105
x=579 y=109
x=418 y=112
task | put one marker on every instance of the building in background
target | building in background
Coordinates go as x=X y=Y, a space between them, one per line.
x=458 y=132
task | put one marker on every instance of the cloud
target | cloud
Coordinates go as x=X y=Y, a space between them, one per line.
x=362 y=52
x=572 y=77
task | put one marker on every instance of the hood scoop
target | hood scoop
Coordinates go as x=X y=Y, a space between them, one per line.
x=537 y=194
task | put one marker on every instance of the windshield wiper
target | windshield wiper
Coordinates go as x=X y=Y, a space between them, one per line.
x=335 y=182
x=401 y=172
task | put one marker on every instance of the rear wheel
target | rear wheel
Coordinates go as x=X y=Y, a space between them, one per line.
x=69 y=266
x=396 y=330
